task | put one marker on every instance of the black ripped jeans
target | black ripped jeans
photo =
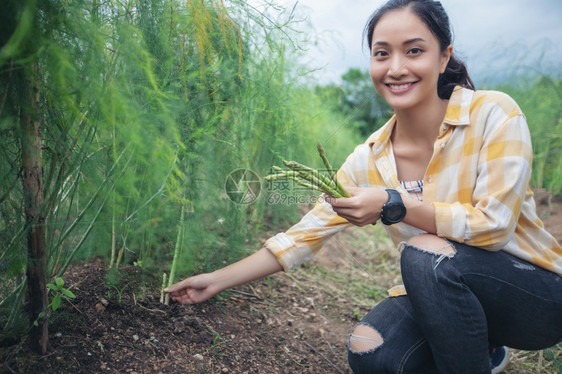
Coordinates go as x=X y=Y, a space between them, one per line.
x=456 y=308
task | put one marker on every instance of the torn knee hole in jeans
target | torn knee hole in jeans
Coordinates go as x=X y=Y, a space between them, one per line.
x=364 y=339
x=433 y=245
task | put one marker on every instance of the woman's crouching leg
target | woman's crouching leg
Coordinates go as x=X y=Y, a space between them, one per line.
x=387 y=340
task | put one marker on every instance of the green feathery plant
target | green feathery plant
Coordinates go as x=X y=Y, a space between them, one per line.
x=137 y=107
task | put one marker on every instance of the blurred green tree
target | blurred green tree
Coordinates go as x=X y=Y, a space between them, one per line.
x=359 y=101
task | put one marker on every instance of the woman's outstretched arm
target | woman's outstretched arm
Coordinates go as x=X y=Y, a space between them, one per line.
x=202 y=287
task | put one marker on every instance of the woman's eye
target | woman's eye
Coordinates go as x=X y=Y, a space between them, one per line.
x=415 y=51
x=380 y=53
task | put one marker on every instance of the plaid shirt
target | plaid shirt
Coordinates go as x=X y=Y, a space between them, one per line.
x=477 y=180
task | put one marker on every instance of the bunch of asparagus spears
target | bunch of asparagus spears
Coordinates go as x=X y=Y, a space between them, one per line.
x=311 y=178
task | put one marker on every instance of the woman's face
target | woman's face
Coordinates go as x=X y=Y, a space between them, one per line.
x=406 y=60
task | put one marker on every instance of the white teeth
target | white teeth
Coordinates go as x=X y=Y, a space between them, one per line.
x=399 y=87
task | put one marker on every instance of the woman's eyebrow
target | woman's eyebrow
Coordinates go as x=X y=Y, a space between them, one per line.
x=409 y=41
x=414 y=40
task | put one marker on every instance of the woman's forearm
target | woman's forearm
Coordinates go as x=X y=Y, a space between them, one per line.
x=256 y=266
x=420 y=215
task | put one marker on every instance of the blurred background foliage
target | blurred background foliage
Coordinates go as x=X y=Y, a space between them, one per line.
x=145 y=107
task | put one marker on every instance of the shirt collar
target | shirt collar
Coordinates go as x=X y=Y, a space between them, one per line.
x=458 y=109
x=381 y=137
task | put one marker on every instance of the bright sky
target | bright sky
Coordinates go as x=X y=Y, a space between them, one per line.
x=489 y=34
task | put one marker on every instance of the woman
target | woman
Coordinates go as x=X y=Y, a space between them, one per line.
x=448 y=176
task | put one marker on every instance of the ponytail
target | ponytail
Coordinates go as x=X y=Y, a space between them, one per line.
x=456 y=74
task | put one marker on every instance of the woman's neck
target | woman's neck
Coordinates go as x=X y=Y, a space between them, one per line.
x=420 y=124
x=413 y=138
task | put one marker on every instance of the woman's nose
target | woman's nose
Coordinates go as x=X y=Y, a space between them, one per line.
x=397 y=66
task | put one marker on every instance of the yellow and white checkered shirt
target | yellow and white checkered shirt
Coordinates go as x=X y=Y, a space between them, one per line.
x=477 y=180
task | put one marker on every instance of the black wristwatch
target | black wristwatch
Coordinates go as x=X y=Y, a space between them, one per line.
x=394 y=210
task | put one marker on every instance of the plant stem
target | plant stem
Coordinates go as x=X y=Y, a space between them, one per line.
x=176 y=254
x=33 y=194
x=162 y=288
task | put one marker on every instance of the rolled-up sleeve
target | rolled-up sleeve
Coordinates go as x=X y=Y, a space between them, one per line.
x=299 y=244
x=303 y=240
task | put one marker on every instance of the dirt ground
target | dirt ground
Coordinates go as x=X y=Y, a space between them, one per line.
x=288 y=323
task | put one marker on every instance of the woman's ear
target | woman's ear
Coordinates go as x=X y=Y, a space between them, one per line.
x=446 y=56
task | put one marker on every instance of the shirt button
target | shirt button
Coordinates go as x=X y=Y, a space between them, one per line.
x=443 y=145
x=429 y=180
x=444 y=127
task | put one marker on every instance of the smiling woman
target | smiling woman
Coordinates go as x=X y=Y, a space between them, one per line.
x=405 y=65
x=410 y=52
x=457 y=162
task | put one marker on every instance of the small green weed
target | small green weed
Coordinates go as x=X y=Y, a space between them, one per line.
x=357 y=314
x=119 y=291
x=218 y=341
x=60 y=293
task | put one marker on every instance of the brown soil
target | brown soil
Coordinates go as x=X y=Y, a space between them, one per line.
x=287 y=323
x=266 y=327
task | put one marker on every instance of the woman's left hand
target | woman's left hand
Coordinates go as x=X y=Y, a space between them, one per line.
x=363 y=207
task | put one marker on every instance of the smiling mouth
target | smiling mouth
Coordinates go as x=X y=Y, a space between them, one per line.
x=399 y=87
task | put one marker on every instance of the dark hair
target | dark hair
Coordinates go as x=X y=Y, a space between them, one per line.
x=434 y=16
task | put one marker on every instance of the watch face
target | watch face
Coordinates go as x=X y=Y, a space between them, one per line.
x=395 y=212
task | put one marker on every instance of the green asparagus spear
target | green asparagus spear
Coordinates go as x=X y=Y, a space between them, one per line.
x=331 y=172
x=311 y=178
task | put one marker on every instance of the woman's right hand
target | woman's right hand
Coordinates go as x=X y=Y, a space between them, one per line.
x=202 y=287
x=193 y=290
